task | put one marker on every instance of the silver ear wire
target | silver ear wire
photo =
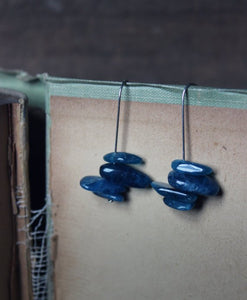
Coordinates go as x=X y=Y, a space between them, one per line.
x=185 y=92
x=124 y=83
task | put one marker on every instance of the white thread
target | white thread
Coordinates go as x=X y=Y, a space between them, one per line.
x=37 y=232
x=39 y=252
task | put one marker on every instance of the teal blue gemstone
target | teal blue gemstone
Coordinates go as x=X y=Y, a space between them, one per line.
x=189 y=167
x=124 y=175
x=166 y=190
x=118 y=198
x=123 y=158
x=173 y=203
x=101 y=185
x=201 y=184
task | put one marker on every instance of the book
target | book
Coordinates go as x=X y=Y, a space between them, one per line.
x=15 y=256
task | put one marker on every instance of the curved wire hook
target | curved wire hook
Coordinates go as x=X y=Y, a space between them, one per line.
x=185 y=92
x=124 y=83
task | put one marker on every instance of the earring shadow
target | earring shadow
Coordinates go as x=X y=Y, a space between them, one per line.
x=200 y=203
x=188 y=129
x=126 y=114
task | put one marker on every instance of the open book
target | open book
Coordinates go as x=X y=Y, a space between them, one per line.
x=139 y=249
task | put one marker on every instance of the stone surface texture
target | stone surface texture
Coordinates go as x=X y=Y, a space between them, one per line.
x=201 y=185
x=123 y=158
x=168 y=191
x=124 y=175
x=189 y=167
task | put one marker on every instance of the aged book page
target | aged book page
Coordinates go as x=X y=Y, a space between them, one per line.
x=142 y=249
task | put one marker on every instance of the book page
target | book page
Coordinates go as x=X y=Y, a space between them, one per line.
x=141 y=248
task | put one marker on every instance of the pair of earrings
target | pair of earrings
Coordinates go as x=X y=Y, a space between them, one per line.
x=187 y=180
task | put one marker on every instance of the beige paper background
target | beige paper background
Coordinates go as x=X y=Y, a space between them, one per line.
x=143 y=249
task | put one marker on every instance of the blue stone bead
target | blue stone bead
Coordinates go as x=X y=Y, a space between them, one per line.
x=202 y=185
x=119 y=198
x=166 y=190
x=124 y=175
x=101 y=185
x=189 y=167
x=123 y=158
x=173 y=203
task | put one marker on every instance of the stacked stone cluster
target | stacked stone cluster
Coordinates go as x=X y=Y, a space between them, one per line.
x=116 y=177
x=187 y=181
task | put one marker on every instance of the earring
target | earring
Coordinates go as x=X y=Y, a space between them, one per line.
x=188 y=180
x=116 y=175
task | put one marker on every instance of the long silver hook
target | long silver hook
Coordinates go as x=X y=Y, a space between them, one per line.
x=185 y=92
x=118 y=112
